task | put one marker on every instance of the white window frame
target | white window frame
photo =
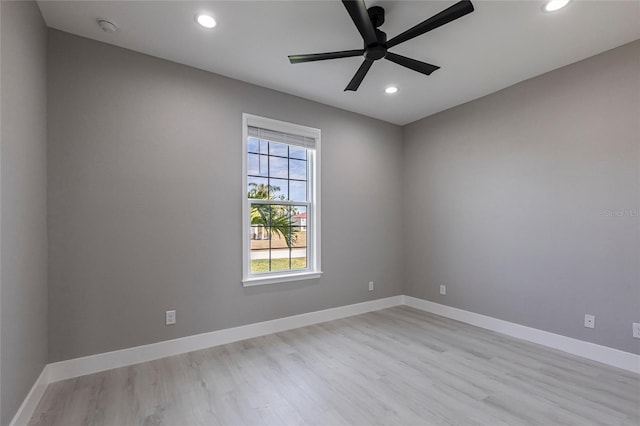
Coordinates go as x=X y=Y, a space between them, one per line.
x=313 y=269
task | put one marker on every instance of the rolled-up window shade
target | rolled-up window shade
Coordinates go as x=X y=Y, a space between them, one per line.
x=281 y=137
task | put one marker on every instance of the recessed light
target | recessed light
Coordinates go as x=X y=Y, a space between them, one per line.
x=206 y=21
x=553 y=5
x=391 y=90
x=106 y=26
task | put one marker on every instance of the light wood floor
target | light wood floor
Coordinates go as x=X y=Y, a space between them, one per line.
x=396 y=366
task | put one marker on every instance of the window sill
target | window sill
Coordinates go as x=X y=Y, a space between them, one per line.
x=273 y=279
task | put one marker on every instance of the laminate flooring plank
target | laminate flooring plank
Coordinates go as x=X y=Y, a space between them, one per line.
x=397 y=366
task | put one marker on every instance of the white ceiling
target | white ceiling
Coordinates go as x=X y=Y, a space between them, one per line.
x=500 y=44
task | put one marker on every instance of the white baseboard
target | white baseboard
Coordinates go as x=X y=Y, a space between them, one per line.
x=95 y=363
x=603 y=354
x=105 y=361
x=31 y=401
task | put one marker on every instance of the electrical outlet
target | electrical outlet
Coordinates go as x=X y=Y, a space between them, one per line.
x=170 y=317
x=636 y=330
x=443 y=290
x=370 y=285
x=589 y=321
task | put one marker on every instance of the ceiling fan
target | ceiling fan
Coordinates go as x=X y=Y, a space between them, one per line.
x=375 y=41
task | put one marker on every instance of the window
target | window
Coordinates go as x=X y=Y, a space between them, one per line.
x=281 y=201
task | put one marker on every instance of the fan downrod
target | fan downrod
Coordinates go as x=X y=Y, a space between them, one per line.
x=376 y=14
x=377 y=50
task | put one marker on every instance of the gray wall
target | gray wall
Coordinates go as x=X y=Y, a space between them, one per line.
x=145 y=201
x=510 y=197
x=505 y=201
x=23 y=231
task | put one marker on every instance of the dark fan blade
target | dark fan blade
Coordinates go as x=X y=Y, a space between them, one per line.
x=452 y=13
x=296 y=59
x=359 y=76
x=422 y=67
x=358 y=12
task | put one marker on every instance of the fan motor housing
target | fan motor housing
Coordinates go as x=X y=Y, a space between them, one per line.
x=375 y=52
x=378 y=50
